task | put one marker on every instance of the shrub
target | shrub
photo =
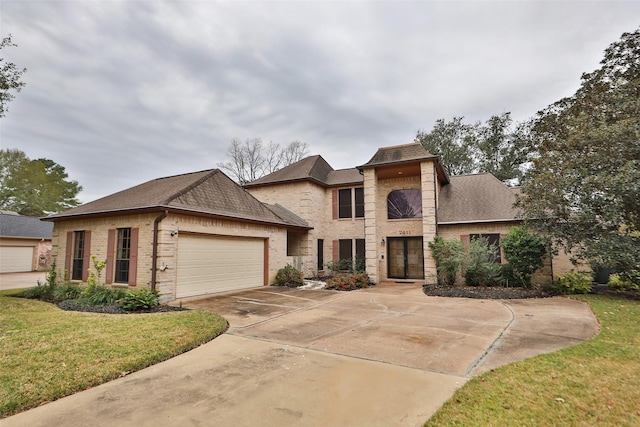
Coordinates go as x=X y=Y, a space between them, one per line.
x=348 y=281
x=573 y=283
x=622 y=283
x=525 y=253
x=43 y=291
x=449 y=257
x=289 y=276
x=482 y=268
x=66 y=292
x=140 y=299
x=100 y=294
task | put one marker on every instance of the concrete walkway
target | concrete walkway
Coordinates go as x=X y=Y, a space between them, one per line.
x=21 y=280
x=378 y=357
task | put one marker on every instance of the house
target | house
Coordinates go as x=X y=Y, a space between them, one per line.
x=25 y=243
x=201 y=233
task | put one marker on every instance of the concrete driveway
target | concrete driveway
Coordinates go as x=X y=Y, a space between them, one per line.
x=21 y=280
x=379 y=357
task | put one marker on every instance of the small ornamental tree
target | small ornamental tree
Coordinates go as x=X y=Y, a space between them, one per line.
x=525 y=252
x=449 y=257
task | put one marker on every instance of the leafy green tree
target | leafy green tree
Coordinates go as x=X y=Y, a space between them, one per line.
x=495 y=146
x=453 y=141
x=34 y=187
x=525 y=252
x=583 y=188
x=481 y=266
x=10 y=76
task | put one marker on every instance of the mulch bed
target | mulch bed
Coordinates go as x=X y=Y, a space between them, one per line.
x=497 y=292
x=75 y=305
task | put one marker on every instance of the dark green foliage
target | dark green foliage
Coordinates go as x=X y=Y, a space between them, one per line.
x=573 y=283
x=43 y=291
x=289 y=276
x=494 y=146
x=66 y=292
x=140 y=299
x=100 y=294
x=10 y=77
x=347 y=265
x=449 y=256
x=34 y=187
x=348 y=281
x=584 y=184
x=482 y=268
x=525 y=253
x=627 y=282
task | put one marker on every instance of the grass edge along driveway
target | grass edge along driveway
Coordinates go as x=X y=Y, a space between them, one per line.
x=593 y=383
x=47 y=353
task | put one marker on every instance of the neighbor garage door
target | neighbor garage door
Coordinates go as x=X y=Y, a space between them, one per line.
x=15 y=259
x=216 y=264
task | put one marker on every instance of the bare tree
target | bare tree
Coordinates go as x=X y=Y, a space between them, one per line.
x=252 y=159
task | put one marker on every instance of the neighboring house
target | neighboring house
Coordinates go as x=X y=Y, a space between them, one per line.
x=201 y=233
x=183 y=235
x=25 y=243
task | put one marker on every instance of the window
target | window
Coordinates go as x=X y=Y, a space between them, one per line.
x=492 y=239
x=344 y=203
x=320 y=254
x=404 y=204
x=346 y=250
x=359 y=196
x=123 y=255
x=350 y=206
x=77 y=268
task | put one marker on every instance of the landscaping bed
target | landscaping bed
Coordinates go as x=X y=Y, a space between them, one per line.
x=484 y=292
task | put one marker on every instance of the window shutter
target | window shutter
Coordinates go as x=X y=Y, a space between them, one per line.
x=466 y=240
x=336 y=250
x=86 y=256
x=133 y=257
x=334 y=203
x=111 y=251
x=67 y=253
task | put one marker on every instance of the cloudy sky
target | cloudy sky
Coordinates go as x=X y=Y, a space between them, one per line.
x=121 y=92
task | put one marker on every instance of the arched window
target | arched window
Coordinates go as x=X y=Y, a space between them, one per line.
x=404 y=204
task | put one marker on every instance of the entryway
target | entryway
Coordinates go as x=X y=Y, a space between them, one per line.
x=406 y=258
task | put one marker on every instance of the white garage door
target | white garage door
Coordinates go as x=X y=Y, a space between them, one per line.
x=217 y=264
x=15 y=259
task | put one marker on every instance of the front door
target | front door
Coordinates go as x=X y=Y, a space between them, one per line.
x=406 y=258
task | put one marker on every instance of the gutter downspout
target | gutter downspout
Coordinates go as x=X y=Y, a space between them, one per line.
x=154 y=255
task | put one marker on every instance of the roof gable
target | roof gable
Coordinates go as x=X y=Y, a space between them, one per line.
x=399 y=154
x=476 y=198
x=208 y=192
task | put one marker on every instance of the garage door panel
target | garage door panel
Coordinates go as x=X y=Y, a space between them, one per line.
x=14 y=259
x=217 y=264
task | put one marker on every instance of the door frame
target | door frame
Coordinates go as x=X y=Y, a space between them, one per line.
x=405 y=267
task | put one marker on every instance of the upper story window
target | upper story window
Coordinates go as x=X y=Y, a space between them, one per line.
x=351 y=203
x=404 y=204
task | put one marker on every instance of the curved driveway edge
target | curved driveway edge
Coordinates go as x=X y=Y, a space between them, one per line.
x=381 y=356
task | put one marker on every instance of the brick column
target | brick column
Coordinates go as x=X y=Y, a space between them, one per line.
x=428 y=183
x=371 y=238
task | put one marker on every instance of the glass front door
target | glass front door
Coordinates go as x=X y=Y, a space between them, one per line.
x=406 y=258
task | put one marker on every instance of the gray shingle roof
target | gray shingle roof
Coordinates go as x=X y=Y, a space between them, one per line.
x=476 y=198
x=208 y=192
x=399 y=154
x=313 y=168
x=24 y=226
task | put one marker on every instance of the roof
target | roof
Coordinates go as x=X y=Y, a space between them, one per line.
x=476 y=198
x=399 y=154
x=288 y=216
x=208 y=192
x=313 y=168
x=12 y=225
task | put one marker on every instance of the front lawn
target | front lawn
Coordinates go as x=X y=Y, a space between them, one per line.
x=593 y=383
x=47 y=353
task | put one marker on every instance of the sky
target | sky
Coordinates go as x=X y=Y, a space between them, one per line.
x=122 y=92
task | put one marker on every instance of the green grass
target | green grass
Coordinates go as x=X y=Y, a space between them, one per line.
x=47 y=353
x=593 y=383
